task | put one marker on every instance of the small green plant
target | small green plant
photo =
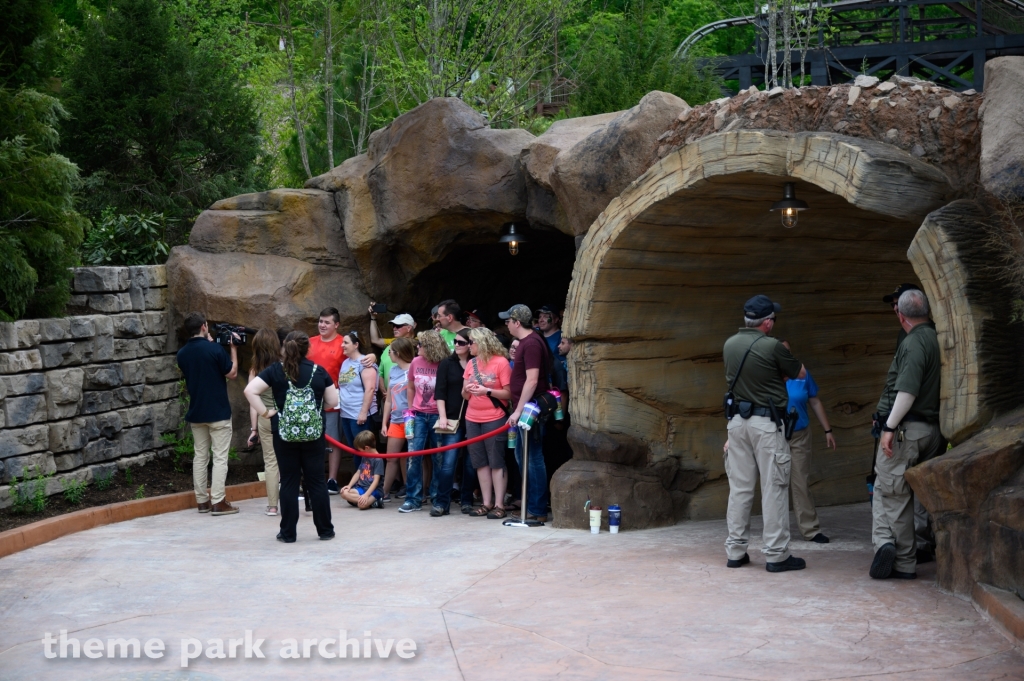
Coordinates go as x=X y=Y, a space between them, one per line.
x=232 y=454
x=181 y=440
x=128 y=475
x=30 y=492
x=103 y=481
x=126 y=239
x=140 y=493
x=74 y=490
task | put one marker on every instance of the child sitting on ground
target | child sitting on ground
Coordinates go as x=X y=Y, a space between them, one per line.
x=363 y=490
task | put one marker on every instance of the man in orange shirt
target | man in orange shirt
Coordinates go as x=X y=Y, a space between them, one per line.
x=325 y=351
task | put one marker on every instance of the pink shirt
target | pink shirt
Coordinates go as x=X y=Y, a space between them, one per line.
x=495 y=375
x=423 y=375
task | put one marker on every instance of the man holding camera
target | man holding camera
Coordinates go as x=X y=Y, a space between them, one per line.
x=756 y=367
x=207 y=367
x=909 y=418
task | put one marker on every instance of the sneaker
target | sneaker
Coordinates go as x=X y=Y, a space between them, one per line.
x=739 y=562
x=327 y=537
x=377 y=503
x=281 y=538
x=819 y=539
x=896 y=574
x=400 y=494
x=791 y=563
x=223 y=508
x=386 y=498
x=881 y=566
x=332 y=487
x=271 y=510
x=437 y=512
x=408 y=507
x=467 y=509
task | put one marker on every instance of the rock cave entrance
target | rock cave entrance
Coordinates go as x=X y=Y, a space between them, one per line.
x=485 y=276
x=660 y=283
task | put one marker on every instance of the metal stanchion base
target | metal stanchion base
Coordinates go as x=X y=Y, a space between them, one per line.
x=519 y=522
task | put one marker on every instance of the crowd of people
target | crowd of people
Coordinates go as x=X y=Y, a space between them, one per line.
x=397 y=393
x=459 y=380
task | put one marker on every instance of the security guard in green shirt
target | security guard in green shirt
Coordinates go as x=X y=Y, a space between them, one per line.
x=756 y=368
x=909 y=408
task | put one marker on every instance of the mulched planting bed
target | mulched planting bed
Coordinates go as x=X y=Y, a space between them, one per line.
x=156 y=478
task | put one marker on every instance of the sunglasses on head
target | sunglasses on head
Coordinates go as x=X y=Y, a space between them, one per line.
x=462 y=343
x=353 y=333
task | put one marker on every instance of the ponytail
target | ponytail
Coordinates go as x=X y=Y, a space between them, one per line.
x=296 y=345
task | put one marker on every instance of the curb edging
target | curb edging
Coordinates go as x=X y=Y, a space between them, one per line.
x=40 y=532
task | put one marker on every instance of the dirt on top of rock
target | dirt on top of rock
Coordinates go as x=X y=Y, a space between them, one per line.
x=932 y=123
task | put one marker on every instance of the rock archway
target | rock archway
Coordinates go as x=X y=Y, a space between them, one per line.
x=659 y=284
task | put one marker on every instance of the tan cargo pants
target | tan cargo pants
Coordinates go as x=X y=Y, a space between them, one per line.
x=893 y=507
x=799 y=484
x=214 y=436
x=757 y=446
x=272 y=473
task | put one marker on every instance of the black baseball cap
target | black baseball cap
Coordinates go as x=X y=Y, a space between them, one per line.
x=760 y=307
x=900 y=290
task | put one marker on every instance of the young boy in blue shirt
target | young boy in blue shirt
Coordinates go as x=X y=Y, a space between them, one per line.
x=363 y=491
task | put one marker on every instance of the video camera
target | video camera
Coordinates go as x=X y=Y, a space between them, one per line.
x=222 y=334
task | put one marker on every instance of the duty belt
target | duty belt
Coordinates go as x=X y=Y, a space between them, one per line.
x=911 y=418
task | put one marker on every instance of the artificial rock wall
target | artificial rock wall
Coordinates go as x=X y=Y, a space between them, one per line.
x=85 y=394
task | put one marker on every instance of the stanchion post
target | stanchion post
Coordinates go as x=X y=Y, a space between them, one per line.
x=521 y=521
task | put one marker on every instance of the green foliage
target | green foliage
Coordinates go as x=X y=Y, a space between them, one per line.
x=140 y=493
x=28 y=46
x=126 y=239
x=128 y=475
x=30 y=492
x=103 y=482
x=619 y=57
x=74 y=490
x=39 y=229
x=158 y=124
x=182 y=440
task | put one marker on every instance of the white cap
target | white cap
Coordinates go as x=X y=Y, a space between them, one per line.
x=403 y=320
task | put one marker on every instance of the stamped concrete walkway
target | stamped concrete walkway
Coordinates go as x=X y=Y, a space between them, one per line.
x=484 y=602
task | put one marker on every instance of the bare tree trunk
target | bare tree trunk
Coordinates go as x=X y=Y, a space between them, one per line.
x=329 y=80
x=771 y=70
x=286 y=21
x=787 y=43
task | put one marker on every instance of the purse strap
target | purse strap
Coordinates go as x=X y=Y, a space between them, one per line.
x=494 y=400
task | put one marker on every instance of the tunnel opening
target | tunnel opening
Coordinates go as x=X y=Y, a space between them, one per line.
x=486 y=277
x=659 y=286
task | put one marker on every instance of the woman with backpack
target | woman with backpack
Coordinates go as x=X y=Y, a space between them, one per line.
x=487 y=379
x=357 y=393
x=301 y=392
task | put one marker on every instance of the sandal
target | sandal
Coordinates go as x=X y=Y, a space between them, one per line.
x=496 y=513
x=481 y=512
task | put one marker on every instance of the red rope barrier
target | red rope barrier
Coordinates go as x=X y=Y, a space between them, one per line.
x=435 y=450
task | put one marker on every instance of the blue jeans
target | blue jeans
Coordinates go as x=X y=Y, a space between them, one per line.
x=444 y=470
x=537 y=500
x=350 y=428
x=423 y=437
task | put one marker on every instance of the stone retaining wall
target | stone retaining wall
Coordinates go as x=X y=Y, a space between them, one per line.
x=83 y=395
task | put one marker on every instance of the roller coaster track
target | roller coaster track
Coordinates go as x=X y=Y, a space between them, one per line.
x=708 y=29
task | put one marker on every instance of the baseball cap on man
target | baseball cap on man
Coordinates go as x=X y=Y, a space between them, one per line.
x=475 y=314
x=900 y=290
x=520 y=313
x=760 y=307
x=403 y=320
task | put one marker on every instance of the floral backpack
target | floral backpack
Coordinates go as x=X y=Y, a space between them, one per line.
x=301 y=419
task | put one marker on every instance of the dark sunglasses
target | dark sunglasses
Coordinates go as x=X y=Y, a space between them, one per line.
x=400 y=326
x=462 y=343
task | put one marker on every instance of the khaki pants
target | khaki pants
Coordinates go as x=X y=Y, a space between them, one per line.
x=893 y=507
x=273 y=476
x=214 y=436
x=757 y=446
x=799 y=485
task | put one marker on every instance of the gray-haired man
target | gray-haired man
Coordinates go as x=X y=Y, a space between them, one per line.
x=910 y=434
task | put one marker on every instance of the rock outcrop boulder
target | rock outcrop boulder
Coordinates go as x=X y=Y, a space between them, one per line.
x=975 y=493
x=270 y=259
x=589 y=174
x=538 y=159
x=1002 y=128
x=437 y=175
